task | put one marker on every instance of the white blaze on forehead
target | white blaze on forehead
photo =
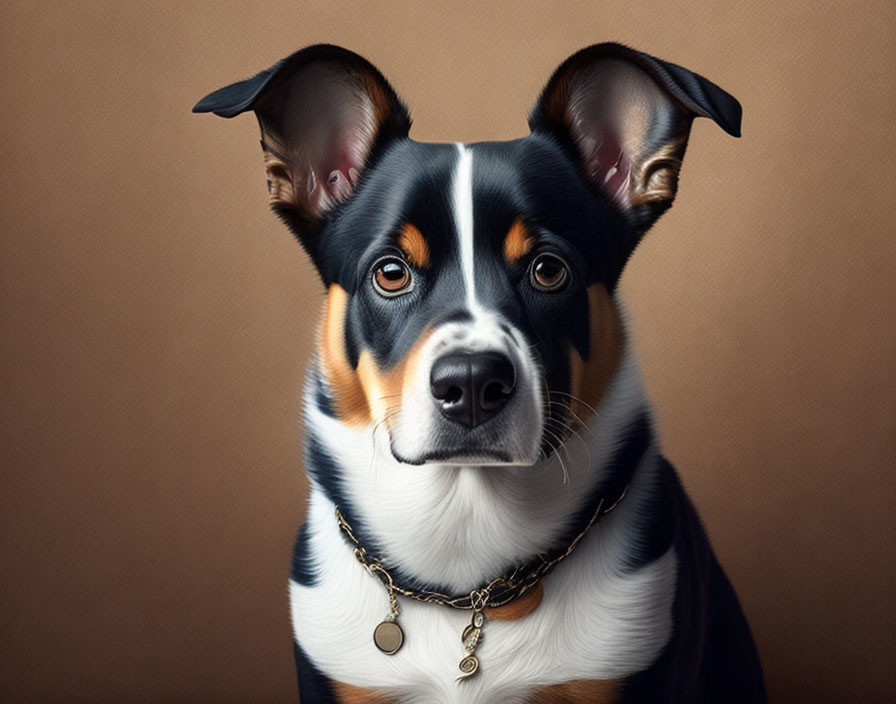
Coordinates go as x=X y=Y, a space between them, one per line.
x=463 y=216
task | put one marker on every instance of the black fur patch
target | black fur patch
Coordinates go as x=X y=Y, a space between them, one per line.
x=620 y=470
x=323 y=397
x=314 y=687
x=711 y=656
x=302 y=570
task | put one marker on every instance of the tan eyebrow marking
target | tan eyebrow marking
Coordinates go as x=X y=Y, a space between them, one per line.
x=517 y=242
x=413 y=244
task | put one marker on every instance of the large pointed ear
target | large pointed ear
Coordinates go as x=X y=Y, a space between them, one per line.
x=626 y=117
x=324 y=112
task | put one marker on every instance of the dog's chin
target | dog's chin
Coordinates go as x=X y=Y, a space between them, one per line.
x=462 y=457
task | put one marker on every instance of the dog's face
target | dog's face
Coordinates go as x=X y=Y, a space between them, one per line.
x=469 y=311
x=459 y=305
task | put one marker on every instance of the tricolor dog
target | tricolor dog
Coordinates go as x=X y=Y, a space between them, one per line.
x=491 y=519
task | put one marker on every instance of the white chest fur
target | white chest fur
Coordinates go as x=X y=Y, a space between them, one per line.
x=596 y=621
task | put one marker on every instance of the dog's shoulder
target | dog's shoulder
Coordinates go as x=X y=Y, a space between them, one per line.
x=711 y=655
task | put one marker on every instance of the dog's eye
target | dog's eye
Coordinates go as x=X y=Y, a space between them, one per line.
x=392 y=277
x=548 y=273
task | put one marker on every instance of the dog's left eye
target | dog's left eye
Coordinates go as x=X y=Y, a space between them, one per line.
x=392 y=277
x=548 y=272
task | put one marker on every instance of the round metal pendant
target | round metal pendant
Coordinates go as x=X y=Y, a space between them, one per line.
x=388 y=637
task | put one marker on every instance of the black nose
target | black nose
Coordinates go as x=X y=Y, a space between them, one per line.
x=471 y=388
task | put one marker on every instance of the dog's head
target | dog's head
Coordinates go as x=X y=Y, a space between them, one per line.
x=470 y=306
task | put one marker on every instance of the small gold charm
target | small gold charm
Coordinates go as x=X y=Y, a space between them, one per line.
x=388 y=637
x=468 y=631
x=469 y=666
x=471 y=638
x=472 y=635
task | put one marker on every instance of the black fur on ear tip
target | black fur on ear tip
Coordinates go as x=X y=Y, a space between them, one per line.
x=728 y=110
x=241 y=96
x=236 y=98
x=698 y=94
x=693 y=92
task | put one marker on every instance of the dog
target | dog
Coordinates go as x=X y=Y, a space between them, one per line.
x=490 y=517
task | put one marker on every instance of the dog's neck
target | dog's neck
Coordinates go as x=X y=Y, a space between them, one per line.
x=454 y=528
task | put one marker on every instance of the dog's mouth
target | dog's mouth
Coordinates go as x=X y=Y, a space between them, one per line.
x=461 y=456
x=506 y=441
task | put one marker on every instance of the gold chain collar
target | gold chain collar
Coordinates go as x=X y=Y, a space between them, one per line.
x=500 y=591
x=388 y=635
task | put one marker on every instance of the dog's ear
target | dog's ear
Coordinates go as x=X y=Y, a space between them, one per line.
x=626 y=116
x=324 y=113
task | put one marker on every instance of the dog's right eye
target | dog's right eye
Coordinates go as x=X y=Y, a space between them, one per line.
x=392 y=277
x=548 y=273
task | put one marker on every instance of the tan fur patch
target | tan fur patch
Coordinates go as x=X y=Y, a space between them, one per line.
x=578 y=692
x=378 y=99
x=349 y=399
x=656 y=177
x=518 y=608
x=517 y=242
x=280 y=185
x=369 y=393
x=365 y=394
x=349 y=694
x=589 y=380
x=384 y=390
x=413 y=244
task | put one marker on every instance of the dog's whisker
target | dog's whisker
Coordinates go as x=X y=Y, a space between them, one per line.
x=560 y=430
x=578 y=435
x=565 y=407
x=391 y=412
x=547 y=457
x=561 y=446
x=576 y=399
x=373 y=438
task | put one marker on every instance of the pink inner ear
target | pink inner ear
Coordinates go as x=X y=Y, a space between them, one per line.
x=346 y=147
x=325 y=125
x=342 y=179
x=335 y=163
x=341 y=183
x=607 y=165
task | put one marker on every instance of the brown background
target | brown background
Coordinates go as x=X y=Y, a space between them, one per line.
x=157 y=319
